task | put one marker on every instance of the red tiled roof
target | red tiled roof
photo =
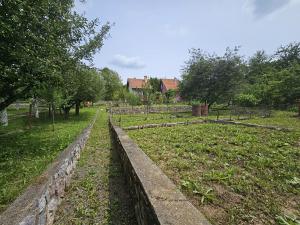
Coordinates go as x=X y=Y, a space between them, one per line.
x=135 y=83
x=170 y=84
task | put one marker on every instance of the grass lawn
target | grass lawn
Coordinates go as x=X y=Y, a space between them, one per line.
x=278 y=118
x=26 y=153
x=140 y=119
x=233 y=174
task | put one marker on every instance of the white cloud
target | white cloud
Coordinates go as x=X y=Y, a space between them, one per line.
x=127 y=62
x=261 y=8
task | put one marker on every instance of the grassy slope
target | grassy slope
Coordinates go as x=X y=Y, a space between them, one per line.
x=97 y=194
x=235 y=175
x=25 y=154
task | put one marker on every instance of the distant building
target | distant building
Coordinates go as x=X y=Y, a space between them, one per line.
x=136 y=85
x=170 y=84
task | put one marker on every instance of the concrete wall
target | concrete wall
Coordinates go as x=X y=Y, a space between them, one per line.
x=156 y=198
x=37 y=205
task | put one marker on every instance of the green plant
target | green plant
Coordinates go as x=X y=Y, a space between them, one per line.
x=247 y=100
x=287 y=220
x=196 y=102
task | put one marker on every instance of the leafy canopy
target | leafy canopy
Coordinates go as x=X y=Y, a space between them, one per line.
x=211 y=78
x=39 y=42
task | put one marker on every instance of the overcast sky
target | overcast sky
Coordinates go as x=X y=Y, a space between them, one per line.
x=152 y=37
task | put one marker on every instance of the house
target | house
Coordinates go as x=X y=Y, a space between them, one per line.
x=170 y=84
x=136 y=85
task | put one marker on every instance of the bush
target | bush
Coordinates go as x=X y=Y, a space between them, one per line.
x=133 y=99
x=196 y=102
x=246 y=100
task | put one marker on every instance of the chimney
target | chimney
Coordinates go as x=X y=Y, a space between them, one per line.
x=145 y=78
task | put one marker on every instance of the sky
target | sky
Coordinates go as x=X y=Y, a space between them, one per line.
x=153 y=37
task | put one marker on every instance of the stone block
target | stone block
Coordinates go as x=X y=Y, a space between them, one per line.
x=29 y=220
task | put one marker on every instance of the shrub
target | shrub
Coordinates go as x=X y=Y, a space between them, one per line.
x=246 y=100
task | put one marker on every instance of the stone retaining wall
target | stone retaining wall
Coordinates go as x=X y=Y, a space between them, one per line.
x=157 y=200
x=152 y=109
x=37 y=205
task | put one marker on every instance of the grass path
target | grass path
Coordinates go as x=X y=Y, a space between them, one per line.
x=98 y=194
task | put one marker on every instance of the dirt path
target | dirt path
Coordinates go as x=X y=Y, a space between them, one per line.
x=98 y=194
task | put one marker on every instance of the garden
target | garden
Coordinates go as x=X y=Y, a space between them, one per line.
x=238 y=162
x=233 y=174
x=283 y=119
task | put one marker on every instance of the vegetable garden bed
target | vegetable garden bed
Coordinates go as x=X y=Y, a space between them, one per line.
x=235 y=175
x=282 y=119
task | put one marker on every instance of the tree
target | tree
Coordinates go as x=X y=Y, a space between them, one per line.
x=112 y=84
x=40 y=41
x=84 y=84
x=259 y=64
x=274 y=80
x=246 y=100
x=155 y=84
x=211 y=78
x=133 y=99
x=53 y=97
x=286 y=86
x=90 y=88
x=288 y=55
x=158 y=97
x=170 y=95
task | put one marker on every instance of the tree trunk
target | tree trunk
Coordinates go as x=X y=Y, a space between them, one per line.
x=53 y=113
x=77 y=108
x=36 y=108
x=29 y=116
x=49 y=111
x=3 y=118
x=66 y=112
x=17 y=105
x=30 y=110
x=4 y=103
